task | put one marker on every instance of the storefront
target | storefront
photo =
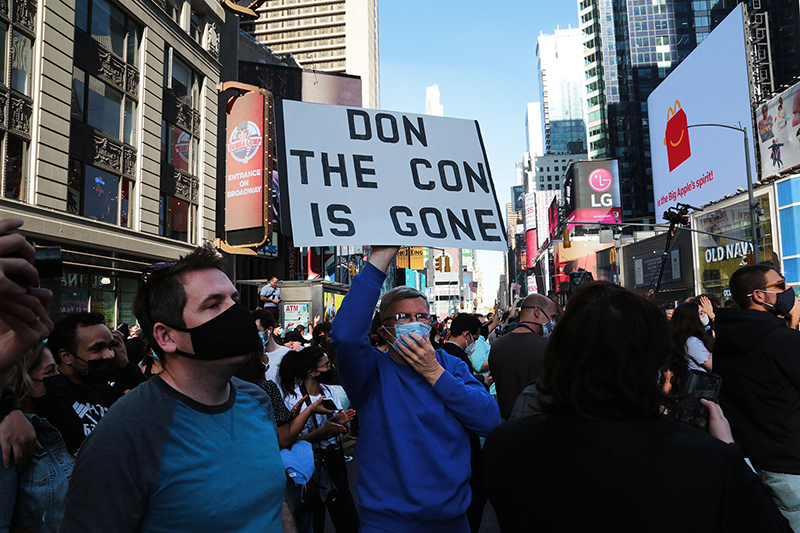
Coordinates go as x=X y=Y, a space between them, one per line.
x=729 y=248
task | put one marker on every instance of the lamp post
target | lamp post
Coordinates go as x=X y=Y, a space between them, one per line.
x=752 y=205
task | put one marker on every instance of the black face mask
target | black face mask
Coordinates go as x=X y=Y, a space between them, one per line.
x=54 y=386
x=229 y=334
x=99 y=371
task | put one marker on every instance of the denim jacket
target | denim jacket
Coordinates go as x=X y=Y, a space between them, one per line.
x=34 y=498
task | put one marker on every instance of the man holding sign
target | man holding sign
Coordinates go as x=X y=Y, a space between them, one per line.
x=417 y=407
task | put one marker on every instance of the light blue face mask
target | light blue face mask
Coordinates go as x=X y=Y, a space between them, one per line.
x=420 y=328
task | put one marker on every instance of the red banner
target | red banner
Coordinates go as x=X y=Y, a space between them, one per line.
x=244 y=187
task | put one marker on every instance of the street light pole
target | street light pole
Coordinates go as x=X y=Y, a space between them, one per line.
x=750 y=198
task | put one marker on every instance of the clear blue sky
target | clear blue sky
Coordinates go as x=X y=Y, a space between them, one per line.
x=482 y=55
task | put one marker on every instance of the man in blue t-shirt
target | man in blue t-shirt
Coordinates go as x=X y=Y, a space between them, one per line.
x=271 y=297
x=193 y=449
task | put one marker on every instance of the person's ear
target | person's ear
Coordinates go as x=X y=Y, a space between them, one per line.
x=165 y=337
x=65 y=357
x=758 y=296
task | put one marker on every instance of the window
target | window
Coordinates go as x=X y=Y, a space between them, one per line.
x=103 y=107
x=98 y=194
x=21 y=64
x=16 y=168
x=104 y=110
x=174 y=8
x=184 y=83
x=196 y=26
x=110 y=27
x=176 y=218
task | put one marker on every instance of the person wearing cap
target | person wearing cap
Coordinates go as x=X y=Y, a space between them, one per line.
x=192 y=449
x=418 y=406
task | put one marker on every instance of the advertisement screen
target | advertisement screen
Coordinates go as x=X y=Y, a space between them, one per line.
x=778 y=135
x=531 y=244
x=697 y=165
x=530 y=211
x=518 y=194
x=244 y=185
x=552 y=216
x=592 y=192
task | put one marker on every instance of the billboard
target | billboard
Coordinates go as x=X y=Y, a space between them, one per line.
x=698 y=165
x=543 y=201
x=592 y=192
x=553 y=220
x=248 y=170
x=531 y=244
x=778 y=136
x=518 y=197
x=530 y=212
x=357 y=176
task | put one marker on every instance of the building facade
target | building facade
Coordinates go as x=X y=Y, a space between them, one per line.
x=330 y=36
x=561 y=79
x=108 y=124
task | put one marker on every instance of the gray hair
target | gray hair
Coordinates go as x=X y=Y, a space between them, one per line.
x=402 y=292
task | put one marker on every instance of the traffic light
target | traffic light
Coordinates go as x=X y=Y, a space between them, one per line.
x=352 y=270
x=579 y=277
x=437 y=264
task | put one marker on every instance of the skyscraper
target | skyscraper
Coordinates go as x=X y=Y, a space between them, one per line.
x=561 y=77
x=335 y=36
x=534 y=142
x=432 y=104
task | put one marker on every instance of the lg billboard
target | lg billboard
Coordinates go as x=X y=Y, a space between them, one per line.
x=592 y=191
x=697 y=165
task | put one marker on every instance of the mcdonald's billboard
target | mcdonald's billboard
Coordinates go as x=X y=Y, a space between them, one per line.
x=696 y=156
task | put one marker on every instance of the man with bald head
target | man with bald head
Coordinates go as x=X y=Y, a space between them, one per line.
x=516 y=358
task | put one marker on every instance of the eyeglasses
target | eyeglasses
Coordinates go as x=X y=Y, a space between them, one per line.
x=779 y=284
x=151 y=269
x=405 y=318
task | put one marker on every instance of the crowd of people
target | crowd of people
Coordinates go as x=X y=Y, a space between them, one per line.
x=207 y=416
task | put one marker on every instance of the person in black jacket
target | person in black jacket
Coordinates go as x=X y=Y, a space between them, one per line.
x=464 y=331
x=757 y=356
x=600 y=455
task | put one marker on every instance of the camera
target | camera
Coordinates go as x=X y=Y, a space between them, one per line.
x=48 y=264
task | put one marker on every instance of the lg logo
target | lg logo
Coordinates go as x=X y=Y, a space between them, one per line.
x=600 y=180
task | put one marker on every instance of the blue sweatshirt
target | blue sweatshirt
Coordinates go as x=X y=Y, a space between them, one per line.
x=413 y=449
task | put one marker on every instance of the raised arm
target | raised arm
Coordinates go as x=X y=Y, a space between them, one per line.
x=350 y=334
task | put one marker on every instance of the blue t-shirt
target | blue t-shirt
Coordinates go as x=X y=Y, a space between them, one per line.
x=161 y=462
x=273 y=293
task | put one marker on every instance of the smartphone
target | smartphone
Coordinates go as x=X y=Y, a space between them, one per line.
x=329 y=404
x=124 y=329
x=696 y=386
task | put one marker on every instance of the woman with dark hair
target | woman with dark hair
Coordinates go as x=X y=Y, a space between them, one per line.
x=691 y=345
x=290 y=423
x=599 y=454
x=298 y=373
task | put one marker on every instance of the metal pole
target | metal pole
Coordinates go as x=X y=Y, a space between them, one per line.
x=753 y=230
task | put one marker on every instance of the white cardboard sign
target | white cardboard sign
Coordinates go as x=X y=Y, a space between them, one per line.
x=360 y=176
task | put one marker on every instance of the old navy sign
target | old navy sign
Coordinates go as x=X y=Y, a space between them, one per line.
x=731 y=251
x=360 y=176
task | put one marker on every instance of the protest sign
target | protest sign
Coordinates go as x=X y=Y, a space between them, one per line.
x=360 y=176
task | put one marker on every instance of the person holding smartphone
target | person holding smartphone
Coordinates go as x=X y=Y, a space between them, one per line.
x=298 y=378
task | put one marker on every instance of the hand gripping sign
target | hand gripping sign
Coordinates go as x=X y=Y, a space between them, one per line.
x=676 y=138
